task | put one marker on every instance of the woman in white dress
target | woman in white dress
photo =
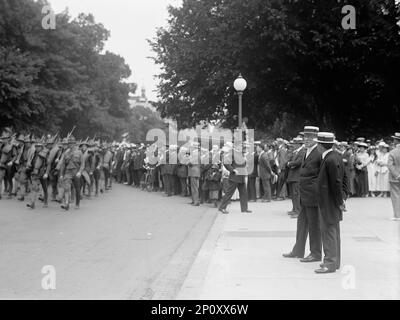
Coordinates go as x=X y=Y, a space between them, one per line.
x=371 y=167
x=382 y=171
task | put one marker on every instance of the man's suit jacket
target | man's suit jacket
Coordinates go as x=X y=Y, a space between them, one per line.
x=264 y=167
x=236 y=162
x=309 y=171
x=253 y=163
x=295 y=164
x=330 y=191
x=394 y=165
x=282 y=156
x=194 y=170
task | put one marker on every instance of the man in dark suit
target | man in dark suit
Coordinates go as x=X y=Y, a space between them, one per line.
x=308 y=220
x=253 y=174
x=235 y=163
x=265 y=173
x=293 y=178
x=331 y=201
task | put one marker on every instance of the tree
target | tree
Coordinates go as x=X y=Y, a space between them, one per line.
x=51 y=80
x=302 y=67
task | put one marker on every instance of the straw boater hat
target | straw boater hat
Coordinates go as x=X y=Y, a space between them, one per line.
x=383 y=144
x=362 y=144
x=310 y=130
x=297 y=140
x=396 y=136
x=326 y=137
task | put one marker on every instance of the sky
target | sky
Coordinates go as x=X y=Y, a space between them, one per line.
x=130 y=22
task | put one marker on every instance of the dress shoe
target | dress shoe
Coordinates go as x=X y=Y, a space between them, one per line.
x=291 y=212
x=224 y=211
x=196 y=205
x=31 y=205
x=324 y=270
x=65 y=207
x=247 y=211
x=290 y=255
x=310 y=258
x=294 y=216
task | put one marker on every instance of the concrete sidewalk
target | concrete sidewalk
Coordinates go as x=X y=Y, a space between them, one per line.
x=242 y=257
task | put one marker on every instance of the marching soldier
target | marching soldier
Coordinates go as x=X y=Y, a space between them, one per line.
x=71 y=172
x=8 y=155
x=37 y=168
x=107 y=166
x=54 y=157
x=21 y=177
x=87 y=173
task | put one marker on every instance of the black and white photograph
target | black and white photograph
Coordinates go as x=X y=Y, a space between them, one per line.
x=163 y=151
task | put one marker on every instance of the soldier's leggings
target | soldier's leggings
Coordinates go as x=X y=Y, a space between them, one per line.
x=106 y=178
x=36 y=184
x=2 y=175
x=76 y=182
x=95 y=180
x=53 y=181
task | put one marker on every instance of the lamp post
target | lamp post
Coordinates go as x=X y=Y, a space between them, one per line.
x=240 y=85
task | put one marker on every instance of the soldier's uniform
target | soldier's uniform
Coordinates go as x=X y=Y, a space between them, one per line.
x=97 y=161
x=8 y=155
x=21 y=176
x=71 y=171
x=88 y=168
x=37 y=168
x=107 y=167
x=53 y=159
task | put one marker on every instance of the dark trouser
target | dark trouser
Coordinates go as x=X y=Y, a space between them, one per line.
x=295 y=193
x=204 y=196
x=136 y=180
x=266 y=184
x=53 y=181
x=106 y=178
x=140 y=173
x=362 y=183
x=96 y=178
x=194 y=187
x=169 y=184
x=118 y=173
x=183 y=182
x=308 y=223
x=230 y=190
x=331 y=243
x=76 y=183
x=251 y=188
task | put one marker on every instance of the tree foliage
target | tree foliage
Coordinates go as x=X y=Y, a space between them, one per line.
x=55 y=79
x=302 y=67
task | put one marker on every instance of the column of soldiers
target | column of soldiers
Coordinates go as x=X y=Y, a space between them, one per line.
x=69 y=169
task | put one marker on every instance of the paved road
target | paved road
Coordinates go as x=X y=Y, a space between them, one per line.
x=128 y=244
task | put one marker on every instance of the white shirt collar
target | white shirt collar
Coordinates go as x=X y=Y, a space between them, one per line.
x=297 y=150
x=326 y=153
x=312 y=148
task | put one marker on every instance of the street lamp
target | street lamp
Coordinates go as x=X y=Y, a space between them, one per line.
x=240 y=85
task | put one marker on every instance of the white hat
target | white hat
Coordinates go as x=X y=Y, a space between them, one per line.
x=326 y=137
x=310 y=130
x=383 y=144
